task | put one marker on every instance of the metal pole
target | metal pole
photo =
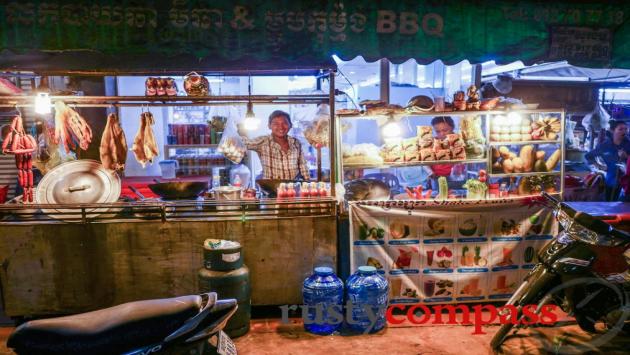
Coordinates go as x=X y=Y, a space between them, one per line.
x=384 y=80
x=332 y=142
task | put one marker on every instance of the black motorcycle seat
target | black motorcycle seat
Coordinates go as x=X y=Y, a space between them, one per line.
x=111 y=330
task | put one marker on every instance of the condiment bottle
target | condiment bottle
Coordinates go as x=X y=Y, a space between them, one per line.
x=322 y=189
x=313 y=187
x=290 y=191
x=237 y=181
x=304 y=191
x=281 y=191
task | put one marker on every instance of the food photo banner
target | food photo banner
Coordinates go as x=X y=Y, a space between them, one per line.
x=449 y=253
x=303 y=30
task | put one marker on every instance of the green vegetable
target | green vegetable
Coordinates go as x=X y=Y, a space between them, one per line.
x=443 y=188
x=464 y=251
x=380 y=233
x=363 y=232
x=476 y=189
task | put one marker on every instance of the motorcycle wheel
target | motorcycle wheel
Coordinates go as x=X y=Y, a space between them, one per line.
x=503 y=332
x=536 y=282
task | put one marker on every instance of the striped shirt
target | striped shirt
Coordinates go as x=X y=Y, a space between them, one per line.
x=276 y=163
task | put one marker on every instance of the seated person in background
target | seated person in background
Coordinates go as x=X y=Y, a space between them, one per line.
x=612 y=151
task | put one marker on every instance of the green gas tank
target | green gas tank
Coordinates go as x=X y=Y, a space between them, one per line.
x=230 y=284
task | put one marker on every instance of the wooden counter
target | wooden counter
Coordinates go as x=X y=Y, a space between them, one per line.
x=69 y=268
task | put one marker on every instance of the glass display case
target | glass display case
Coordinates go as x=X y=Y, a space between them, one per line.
x=455 y=155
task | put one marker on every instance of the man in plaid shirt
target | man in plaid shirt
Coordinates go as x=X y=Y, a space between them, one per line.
x=281 y=156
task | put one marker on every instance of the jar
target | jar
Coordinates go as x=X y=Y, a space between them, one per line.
x=322 y=292
x=367 y=288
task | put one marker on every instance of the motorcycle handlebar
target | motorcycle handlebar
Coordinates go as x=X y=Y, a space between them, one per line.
x=586 y=220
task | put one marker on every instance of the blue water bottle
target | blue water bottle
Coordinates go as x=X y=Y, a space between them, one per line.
x=367 y=288
x=322 y=292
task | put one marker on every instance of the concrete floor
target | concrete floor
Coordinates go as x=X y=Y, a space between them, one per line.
x=272 y=337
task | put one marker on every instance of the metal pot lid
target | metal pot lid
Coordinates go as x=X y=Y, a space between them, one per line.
x=78 y=182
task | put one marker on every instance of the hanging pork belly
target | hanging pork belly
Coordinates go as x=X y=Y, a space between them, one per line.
x=71 y=128
x=144 y=145
x=113 y=148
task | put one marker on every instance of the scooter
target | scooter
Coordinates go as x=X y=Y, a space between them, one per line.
x=581 y=271
x=181 y=325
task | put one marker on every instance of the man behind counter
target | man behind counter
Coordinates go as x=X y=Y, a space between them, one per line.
x=281 y=156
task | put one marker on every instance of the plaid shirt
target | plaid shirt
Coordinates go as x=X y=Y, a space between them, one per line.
x=275 y=162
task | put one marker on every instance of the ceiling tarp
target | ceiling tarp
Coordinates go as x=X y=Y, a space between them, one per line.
x=586 y=33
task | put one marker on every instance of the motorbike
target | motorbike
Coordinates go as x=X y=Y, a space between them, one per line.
x=581 y=271
x=190 y=324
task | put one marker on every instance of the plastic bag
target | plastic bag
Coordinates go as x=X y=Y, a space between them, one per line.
x=231 y=144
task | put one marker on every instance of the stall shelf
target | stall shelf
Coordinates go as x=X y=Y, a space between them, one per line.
x=489 y=142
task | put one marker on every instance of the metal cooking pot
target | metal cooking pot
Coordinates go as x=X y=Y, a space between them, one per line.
x=179 y=190
x=227 y=193
x=78 y=182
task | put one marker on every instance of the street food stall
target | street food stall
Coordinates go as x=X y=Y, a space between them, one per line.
x=85 y=230
x=72 y=244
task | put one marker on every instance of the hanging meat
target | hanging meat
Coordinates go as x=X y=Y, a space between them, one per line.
x=113 y=147
x=71 y=128
x=22 y=145
x=144 y=146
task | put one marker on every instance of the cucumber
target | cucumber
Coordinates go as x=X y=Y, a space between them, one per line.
x=443 y=188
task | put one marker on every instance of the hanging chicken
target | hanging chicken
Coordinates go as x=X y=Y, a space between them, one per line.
x=113 y=148
x=70 y=127
x=22 y=145
x=144 y=146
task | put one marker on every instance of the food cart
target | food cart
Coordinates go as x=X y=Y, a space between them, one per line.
x=472 y=242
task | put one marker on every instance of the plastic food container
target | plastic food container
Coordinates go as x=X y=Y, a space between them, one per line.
x=169 y=168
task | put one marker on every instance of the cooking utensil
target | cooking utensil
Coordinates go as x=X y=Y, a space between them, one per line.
x=78 y=182
x=135 y=191
x=178 y=190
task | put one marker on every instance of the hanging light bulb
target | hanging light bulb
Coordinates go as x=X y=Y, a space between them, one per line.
x=391 y=129
x=42 y=100
x=251 y=122
x=42 y=103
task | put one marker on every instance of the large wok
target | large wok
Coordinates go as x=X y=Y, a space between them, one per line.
x=178 y=190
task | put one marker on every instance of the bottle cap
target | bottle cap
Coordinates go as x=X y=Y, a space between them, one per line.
x=367 y=269
x=323 y=270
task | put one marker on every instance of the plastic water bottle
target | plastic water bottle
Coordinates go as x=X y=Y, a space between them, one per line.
x=367 y=288
x=321 y=291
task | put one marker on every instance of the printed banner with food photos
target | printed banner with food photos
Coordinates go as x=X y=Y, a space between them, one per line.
x=449 y=252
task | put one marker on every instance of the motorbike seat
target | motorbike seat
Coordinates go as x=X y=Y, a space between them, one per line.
x=111 y=330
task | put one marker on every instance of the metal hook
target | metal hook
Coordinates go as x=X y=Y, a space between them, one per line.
x=18 y=110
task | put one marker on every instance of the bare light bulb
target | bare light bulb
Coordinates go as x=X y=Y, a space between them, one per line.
x=42 y=103
x=251 y=122
x=391 y=129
